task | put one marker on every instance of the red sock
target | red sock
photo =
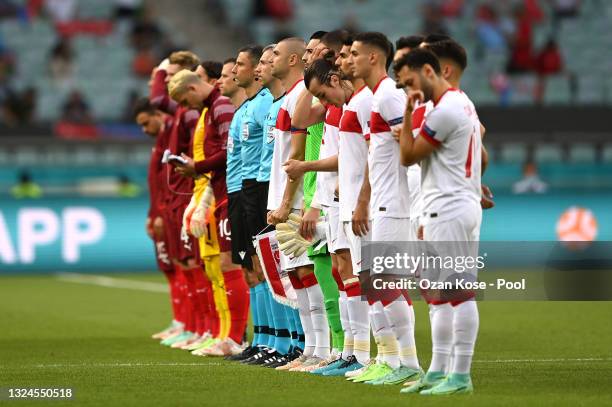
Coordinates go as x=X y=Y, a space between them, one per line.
x=213 y=316
x=309 y=280
x=174 y=293
x=238 y=302
x=338 y=279
x=194 y=308
x=202 y=288
x=181 y=290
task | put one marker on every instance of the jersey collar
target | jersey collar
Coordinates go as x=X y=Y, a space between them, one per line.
x=444 y=93
x=378 y=84
x=294 y=85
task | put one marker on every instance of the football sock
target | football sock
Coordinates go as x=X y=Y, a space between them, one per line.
x=254 y=316
x=465 y=331
x=214 y=274
x=347 y=349
x=316 y=309
x=324 y=274
x=282 y=335
x=359 y=321
x=387 y=345
x=237 y=293
x=271 y=316
x=174 y=296
x=307 y=329
x=301 y=337
x=292 y=328
x=441 y=318
x=401 y=317
x=262 y=311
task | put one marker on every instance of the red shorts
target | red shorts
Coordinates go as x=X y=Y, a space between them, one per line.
x=224 y=235
x=180 y=246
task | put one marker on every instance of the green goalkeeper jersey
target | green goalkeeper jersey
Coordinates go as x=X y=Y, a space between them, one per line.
x=313 y=145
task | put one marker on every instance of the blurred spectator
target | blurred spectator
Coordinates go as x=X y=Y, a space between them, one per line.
x=26 y=188
x=433 y=21
x=129 y=106
x=127 y=8
x=8 y=9
x=145 y=32
x=61 y=11
x=488 y=31
x=562 y=10
x=18 y=107
x=76 y=110
x=521 y=46
x=531 y=182
x=144 y=61
x=61 y=60
x=452 y=8
x=549 y=60
x=126 y=188
x=277 y=9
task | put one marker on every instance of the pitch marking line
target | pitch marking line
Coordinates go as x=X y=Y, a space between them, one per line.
x=112 y=282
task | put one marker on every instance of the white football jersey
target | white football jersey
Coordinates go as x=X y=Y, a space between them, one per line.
x=327 y=181
x=414 y=171
x=390 y=196
x=451 y=174
x=282 y=150
x=353 y=150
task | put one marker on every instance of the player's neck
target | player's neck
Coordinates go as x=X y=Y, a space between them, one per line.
x=439 y=88
x=238 y=98
x=252 y=89
x=374 y=78
x=357 y=83
x=276 y=88
x=292 y=77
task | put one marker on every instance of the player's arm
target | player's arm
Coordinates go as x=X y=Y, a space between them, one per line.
x=189 y=122
x=298 y=148
x=413 y=150
x=222 y=118
x=158 y=95
x=306 y=113
x=296 y=169
x=360 y=221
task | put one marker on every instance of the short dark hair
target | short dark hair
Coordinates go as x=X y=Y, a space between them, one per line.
x=377 y=40
x=410 y=41
x=335 y=39
x=321 y=69
x=431 y=38
x=449 y=49
x=348 y=41
x=231 y=60
x=317 y=35
x=212 y=68
x=416 y=59
x=254 y=52
x=143 y=105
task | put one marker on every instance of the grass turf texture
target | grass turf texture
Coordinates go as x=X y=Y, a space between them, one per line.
x=96 y=340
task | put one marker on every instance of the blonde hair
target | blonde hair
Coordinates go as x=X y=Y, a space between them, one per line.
x=180 y=82
x=185 y=59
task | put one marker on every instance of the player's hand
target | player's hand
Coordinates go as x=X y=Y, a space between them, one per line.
x=198 y=223
x=420 y=233
x=308 y=225
x=149 y=227
x=188 y=213
x=486 y=199
x=158 y=227
x=279 y=215
x=320 y=52
x=414 y=96
x=186 y=170
x=396 y=133
x=294 y=169
x=360 y=221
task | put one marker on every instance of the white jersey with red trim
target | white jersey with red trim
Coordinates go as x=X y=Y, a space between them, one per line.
x=326 y=180
x=390 y=196
x=451 y=174
x=414 y=171
x=282 y=150
x=353 y=153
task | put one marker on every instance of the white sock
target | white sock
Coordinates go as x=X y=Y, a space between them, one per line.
x=401 y=318
x=346 y=326
x=441 y=318
x=386 y=342
x=318 y=317
x=360 y=328
x=465 y=331
x=304 y=311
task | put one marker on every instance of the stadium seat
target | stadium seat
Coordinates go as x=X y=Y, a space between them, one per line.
x=582 y=153
x=547 y=153
x=513 y=153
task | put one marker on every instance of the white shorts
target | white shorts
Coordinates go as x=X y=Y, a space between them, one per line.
x=391 y=229
x=336 y=239
x=414 y=229
x=355 y=243
x=288 y=263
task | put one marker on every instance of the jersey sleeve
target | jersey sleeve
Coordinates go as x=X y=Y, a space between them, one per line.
x=438 y=126
x=363 y=116
x=392 y=107
x=158 y=95
x=262 y=111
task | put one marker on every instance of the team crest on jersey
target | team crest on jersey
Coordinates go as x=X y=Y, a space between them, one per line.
x=270 y=135
x=245 y=131
x=230 y=145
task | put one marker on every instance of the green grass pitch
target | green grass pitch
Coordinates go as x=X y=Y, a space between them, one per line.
x=96 y=340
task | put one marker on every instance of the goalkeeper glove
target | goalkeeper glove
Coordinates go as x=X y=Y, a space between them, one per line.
x=291 y=243
x=188 y=214
x=197 y=225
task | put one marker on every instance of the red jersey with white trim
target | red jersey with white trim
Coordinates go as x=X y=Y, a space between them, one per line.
x=390 y=196
x=451 y=174
x=353 y=149
x=282 y=150
x=156 y=177
x=414 y=171
x=326 y=180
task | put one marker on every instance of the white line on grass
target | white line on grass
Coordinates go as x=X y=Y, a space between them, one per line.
x=112 y=282
x=543 y=360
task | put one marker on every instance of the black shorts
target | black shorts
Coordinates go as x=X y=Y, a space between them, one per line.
x=254 y=203
x=238 y=230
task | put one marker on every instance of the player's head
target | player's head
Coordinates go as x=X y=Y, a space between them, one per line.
x=452 y=57
x=419 y=70
x=370 y=50
x=246 y=62
x=324 y=82
x=263 y=71
x=406 y=44
x=431 y=38
x=180 y=60
x=188 y=90
x=331 y=44
x=313 y=41
x=226 y=83
x=209 y=71
x=288 y=57
x=342 y=61
x=148 y=117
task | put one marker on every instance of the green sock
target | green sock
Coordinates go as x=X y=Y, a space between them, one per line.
x=323 y=272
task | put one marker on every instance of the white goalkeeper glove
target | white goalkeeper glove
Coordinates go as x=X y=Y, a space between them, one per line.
x=291 y=243
x=197 y=225
x=188 y=213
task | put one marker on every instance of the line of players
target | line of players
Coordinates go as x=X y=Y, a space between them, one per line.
x=301 y=135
